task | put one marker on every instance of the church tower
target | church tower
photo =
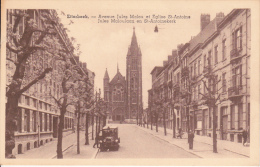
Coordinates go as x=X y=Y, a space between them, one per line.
x=134 y=80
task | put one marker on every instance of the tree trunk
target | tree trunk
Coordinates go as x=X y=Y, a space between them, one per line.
x=214 y=131
x=96 y=127
x=173 y=125
x=11 y=125
x=99 y=118
x=92 y=122
x=60 y=132
x=78 y=130
x=188 y=118
x=156 y=119
x=86 y=134
x=164 y=123
x=151 y=122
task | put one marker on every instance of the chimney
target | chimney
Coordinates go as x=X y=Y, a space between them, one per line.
x=165 y=63
x=169 y=58
x=204 y=21
x=219 y=17
x=174 y=53
x=85 y=65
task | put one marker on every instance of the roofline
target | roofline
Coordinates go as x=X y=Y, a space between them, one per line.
x=230 y=15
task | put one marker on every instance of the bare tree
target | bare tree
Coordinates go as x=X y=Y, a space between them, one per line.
x=210 y=97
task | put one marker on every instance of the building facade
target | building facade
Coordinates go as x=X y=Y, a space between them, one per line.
x=38 y=115
x=124 y=95
x=222 y=48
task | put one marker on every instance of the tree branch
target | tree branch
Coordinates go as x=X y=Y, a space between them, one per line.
x=41 y=76
x=15 y=62
x=12 y=49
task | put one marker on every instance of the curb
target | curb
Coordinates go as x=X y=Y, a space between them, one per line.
x=199 y=142
x=63 y=151
x=174 y=144
x=95 y=154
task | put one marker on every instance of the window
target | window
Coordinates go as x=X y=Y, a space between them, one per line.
x=45 y=122
x=40 y=104
x=199 y=91
x=205 y=60
x=27 y=120
x=216 y=54
x=224 y=49
x=40 y=121
x=195 y=68
x=224 y=82
x=199 y=66
x=34 y=103
x=34 y=121
x=50 y=122
x=232 y=117
x=27 y=100
x=237 y=76
x=209 y=58
x=237 y=39
x=240 y=116
x=45 y=105
x=19 y=120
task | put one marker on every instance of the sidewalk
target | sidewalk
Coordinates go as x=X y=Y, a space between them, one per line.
x=48 y=151
x=86 y=151
x=202 y=146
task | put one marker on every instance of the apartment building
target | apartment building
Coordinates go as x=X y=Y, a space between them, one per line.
x=38 y=115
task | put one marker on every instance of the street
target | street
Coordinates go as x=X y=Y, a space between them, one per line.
x=136 y=143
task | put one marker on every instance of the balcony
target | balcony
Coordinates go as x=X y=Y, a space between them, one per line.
x=235 y=54
x=207 y=69
x=235 y=92
x=170 y=83
x=185 y=72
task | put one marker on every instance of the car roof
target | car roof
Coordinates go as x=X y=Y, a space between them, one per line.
x=110 y=127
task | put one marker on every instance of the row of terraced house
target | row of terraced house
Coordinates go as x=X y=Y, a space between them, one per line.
x=38 y=115
x=222 y=46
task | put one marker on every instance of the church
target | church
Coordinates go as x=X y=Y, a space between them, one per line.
x=124 y=94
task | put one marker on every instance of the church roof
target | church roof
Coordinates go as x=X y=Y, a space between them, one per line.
x=118 y=78
x=106 y=75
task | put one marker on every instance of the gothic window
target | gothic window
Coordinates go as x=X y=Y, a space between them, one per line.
x=118 y=93
x=134 y=64
x=134 y=97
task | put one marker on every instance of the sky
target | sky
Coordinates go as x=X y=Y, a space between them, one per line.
x=103 y=45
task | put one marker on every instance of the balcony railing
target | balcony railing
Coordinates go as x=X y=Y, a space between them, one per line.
x=185 y=72
x=235 y=91
x=235 y=53
x=207 y=69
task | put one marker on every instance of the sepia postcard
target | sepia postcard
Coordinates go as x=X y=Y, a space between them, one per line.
x=157 y=83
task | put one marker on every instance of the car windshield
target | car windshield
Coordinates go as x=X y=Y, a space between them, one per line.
x=109 y=132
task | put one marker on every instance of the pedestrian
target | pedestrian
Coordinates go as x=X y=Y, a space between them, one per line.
x=244 y=134
x=190 y=139
x=180 y=133
x=96 y=141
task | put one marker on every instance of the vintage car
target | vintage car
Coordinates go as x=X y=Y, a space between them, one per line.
x=108 y=138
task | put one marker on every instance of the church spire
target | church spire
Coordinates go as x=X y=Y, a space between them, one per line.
x=134 y=40
x=106 y=75
x=117 y=68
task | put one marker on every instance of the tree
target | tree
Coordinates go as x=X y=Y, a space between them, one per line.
x=83 y=102
x=27 y=46
x=211 y=97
